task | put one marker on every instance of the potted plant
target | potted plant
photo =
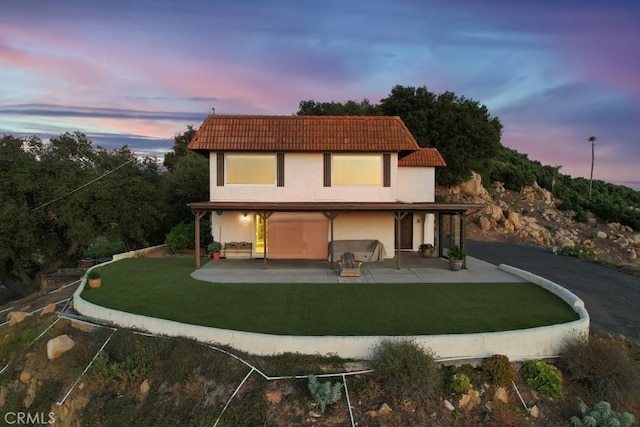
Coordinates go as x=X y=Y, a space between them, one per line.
x=214 y=249
x=426 y=249
x=93 y=278
x=456 y=258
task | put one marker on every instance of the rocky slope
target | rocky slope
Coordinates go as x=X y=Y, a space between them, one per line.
x=532 y=216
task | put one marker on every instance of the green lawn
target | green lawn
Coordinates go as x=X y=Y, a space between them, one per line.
x=162 y=288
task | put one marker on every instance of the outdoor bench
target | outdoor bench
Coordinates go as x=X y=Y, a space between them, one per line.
x=233 y=250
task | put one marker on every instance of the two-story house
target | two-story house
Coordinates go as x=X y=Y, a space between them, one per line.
x=294 y=185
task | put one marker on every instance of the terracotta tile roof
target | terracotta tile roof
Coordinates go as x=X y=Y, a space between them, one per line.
x=303 y=133
x=423 y=157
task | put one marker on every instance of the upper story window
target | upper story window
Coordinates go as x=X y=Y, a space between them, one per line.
x=356 y=169
x=251 y=169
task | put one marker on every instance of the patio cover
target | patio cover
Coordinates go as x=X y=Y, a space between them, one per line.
x=331 y=210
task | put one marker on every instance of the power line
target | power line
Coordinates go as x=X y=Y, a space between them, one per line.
x=82 y=186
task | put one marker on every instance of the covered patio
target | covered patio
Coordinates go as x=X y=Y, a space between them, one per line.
x=450 y=220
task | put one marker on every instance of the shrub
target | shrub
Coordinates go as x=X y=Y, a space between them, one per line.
x=460 y=383
x=324 y=393
x=545 y=378
x=578 y=251
x=604 y=365
x=93 y=274
x=406 y=370
x=602 y=416
x=180 y=237
x=104 y=247
x=497 y=370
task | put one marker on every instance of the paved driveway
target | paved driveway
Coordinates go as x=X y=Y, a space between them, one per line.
x=612 y=298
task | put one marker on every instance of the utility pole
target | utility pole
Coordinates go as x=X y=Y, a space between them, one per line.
x=592 y=139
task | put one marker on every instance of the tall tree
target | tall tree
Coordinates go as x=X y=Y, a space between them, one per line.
x=592 y=139
x=186 y=181
x=56 y=197
x=461 y=129
x=333 y=108
x=179 y=149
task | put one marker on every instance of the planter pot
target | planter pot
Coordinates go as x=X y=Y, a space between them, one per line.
x=95 y=283
x=455 y=264
x=215 y=255
x=427 y=253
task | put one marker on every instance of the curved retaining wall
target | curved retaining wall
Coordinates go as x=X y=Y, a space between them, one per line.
x=522 y=344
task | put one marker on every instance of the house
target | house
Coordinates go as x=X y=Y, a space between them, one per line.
x=297 y=186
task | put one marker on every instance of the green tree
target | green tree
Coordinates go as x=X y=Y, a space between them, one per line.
x=57 y=197
x=186 y=181
x=349 y=108
x=461 y=129
x=179 y=149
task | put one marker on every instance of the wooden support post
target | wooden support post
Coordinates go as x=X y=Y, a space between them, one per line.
x=398 y=216
x=463 y=237
x=198 y=215
x=265 y=216
x=331 y=216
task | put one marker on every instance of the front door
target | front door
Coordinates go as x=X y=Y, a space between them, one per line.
x=406 y=231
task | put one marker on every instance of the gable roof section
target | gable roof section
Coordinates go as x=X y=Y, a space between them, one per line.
x=303 y=133
x=423 y=157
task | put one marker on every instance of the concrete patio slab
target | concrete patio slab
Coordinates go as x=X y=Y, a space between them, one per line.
x=415 y=270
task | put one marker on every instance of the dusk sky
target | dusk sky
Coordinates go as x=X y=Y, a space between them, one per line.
x=137 y=72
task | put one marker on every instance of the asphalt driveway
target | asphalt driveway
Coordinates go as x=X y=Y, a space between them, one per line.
x=611 y=297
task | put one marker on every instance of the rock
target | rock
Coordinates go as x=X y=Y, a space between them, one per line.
x=469 y=400
x=514 y=218
x=485 y=224
x=501 y=395
x=567 y=242
x=601 y=235
x=25 y=377
x=632 y=254
x=144 y=387
x=58 y=346
x=498 y=186
x=274 y=396
x=623 y=242
x=509 y=227
x=534 y=411
x=50 y=308
x=473 y=187
x=494 y=211
x=373 y=414
x=384 y=409
x=315 y=414
x=81 y=326
x=449 y=405
x=628 y=229
x=16 y=317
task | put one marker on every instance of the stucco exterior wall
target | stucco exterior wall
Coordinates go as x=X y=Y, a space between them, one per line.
x=416 y=184
x=303 y=182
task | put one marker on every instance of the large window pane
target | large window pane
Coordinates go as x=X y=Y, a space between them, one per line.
x=354 y=169
x=251 y=169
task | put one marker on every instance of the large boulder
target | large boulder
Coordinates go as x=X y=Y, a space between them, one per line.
x=16 y=317
x=485 y=224
x=59 y=345
x=514 y=218
x=473 y=187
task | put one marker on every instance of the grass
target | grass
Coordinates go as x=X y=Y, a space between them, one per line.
x=163 y=288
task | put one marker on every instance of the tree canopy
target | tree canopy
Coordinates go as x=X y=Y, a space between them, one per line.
x=461 y=129
x=56 y=197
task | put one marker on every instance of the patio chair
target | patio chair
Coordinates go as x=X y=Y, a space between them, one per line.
x=348 y=265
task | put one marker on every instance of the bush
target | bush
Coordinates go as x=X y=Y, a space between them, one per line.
x=497 y=370
x=578 y=251
x=545 y=378
x=460 y=383
x=602 y=415
x=324 y=393
x=407 y=371
x=605 y=366
x=104 y=247
x=181 y=237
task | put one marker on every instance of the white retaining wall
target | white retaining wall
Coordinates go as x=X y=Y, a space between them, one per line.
x=522 y=344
